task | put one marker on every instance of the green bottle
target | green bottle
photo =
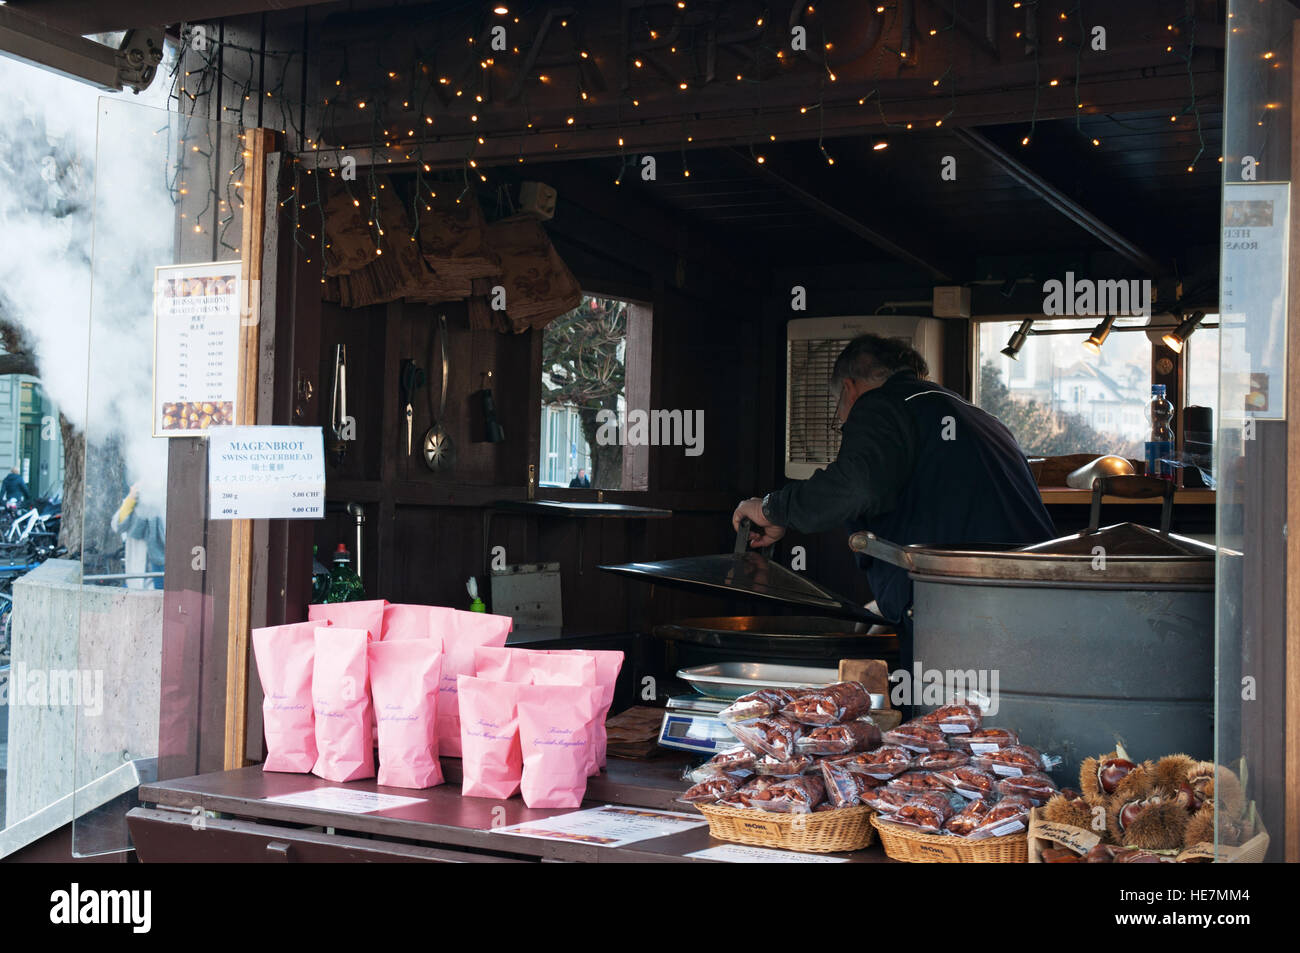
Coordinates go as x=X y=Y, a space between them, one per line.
x=345 y=584
x=320 y=578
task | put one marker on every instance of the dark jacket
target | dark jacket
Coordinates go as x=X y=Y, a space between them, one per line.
x=13 y=486
x=918 y=464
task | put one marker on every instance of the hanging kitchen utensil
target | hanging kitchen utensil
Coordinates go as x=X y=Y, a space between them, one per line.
x=411 y=380
x=340 y=425
x=439 y=451
x=746 y=572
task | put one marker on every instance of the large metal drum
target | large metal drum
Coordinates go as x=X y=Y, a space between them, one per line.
x=1099 y=637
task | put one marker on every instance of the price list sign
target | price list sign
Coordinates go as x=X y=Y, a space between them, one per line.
x=196 y=312
x=257 y=473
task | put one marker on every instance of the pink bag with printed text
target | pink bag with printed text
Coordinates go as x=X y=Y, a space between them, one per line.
x=461 y=632
x=404 y=689
x=555 y=731
x=532 y=667
x=491 y=761
x=285 y=654
x=368 y=615
x=340 y=693
x=608 y=664
x=408 y=622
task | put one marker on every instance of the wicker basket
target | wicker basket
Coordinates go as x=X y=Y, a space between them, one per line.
x=914 y=847
x=821 y=832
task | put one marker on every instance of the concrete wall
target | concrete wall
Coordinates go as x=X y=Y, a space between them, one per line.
x=84 y=685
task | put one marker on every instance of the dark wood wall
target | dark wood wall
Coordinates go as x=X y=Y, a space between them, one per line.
x=423 y=534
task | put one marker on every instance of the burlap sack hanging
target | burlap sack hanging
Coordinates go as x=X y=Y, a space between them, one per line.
x=453 y=238
x=539 y=286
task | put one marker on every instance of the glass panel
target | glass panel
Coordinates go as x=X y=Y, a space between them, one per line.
x=1251 y=452
x=1058 y=398
x=166 y=194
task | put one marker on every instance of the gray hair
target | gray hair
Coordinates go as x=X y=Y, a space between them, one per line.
x=874 y=358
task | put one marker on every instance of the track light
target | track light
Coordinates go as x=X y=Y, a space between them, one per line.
x=1176 y=338
x=1012 y=350
x=1099 y=335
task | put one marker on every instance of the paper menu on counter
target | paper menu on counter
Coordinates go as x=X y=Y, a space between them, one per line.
x=609 y=826
x=343 y=799
x=744 y=854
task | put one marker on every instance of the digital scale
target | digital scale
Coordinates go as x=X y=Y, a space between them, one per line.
x=691 y=722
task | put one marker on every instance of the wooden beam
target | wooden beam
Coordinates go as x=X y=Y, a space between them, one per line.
x=95 y=16
x=801 y=193
x=1058 y=200
x=258 y=143
x=719 y=123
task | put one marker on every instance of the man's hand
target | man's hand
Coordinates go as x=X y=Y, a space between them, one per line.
x=753 y=508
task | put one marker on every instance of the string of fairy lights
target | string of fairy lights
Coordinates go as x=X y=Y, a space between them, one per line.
x=236 y=76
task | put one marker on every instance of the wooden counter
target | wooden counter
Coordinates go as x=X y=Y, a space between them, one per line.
x=1065 y=494
x=171 y=825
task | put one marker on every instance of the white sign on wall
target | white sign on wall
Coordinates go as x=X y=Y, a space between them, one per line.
x=1252 y=319
x=266 y=473
x=196 y=348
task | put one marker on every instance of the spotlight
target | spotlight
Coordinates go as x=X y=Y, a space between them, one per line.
x=1176 y=338
x=1012 y=350
x=1099 y=335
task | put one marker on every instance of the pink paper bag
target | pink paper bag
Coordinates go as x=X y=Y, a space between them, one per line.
x=368 y=615
x=555 y=729
x=461 y=632
x=608 y=664
x=491 y=761
x=285 y=654
x=408 y=622
x=404 y=688
x=531 y=667
x=340 y=694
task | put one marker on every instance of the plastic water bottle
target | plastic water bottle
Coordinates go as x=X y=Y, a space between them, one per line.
x=1161 y=445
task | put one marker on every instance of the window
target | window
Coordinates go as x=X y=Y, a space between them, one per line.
x=1059 y=398
x=1201 y=367
x=595 y=366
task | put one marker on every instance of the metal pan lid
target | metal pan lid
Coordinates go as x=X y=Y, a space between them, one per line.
x=1123 y=554
x=744 y=574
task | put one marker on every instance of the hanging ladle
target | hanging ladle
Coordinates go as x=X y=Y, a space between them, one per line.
x=439 y=451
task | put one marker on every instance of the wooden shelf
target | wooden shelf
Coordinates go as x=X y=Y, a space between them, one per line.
x=1065 y=494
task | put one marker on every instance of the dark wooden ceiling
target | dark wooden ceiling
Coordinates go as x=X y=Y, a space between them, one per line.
x=891 y=205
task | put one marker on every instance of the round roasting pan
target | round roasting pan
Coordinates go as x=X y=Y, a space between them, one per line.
x=769 y=637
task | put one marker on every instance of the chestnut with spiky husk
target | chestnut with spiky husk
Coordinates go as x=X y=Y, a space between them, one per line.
x=1159 y=824
x=1200 y=828
x=1217 y=783
x=1098 y=777
x=1076 y=812
x=1137 y=784
x=1170 y=772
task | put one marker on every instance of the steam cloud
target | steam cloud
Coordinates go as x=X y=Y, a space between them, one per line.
x=49 y=208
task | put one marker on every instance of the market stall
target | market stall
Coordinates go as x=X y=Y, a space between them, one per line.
x=508 y=310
